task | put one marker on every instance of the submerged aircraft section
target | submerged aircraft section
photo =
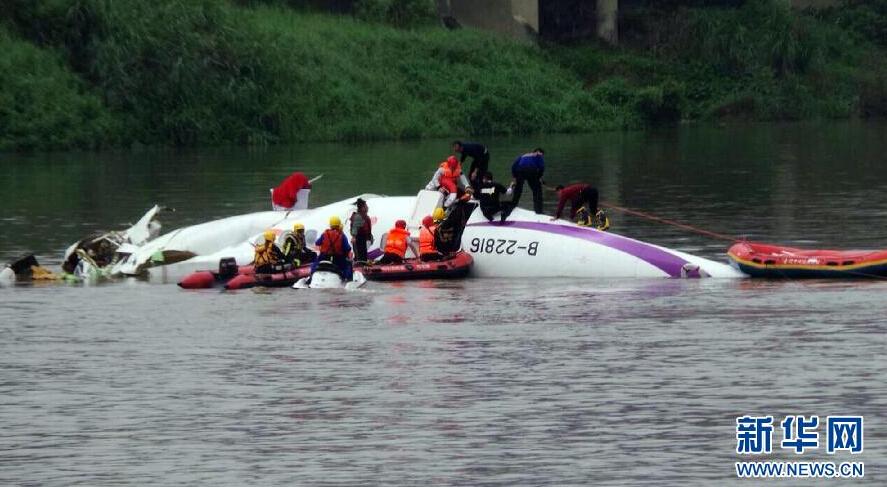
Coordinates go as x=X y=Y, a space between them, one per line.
x=527 y=245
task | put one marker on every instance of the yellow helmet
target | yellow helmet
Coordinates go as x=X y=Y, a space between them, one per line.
x=438 y=214
x=270 y=236
x=298 y=226
x=335 y=222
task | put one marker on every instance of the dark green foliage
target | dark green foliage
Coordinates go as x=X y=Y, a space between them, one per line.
x=189 y=72
x=760 y=60
x=865 y=19
x=42 y=105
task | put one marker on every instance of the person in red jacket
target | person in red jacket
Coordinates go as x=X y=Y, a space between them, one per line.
x=579 y=195
x=286 y=195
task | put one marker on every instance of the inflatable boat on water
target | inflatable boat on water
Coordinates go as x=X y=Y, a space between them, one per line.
x=527 y=245
x=764 y=260
x=243 y=277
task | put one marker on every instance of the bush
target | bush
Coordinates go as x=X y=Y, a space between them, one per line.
x=661 y=104
x=42 y=104
x=866 y=20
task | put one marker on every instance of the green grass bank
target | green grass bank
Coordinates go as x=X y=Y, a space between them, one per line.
x=98 y=73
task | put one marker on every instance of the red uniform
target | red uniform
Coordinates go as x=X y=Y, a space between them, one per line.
x=285 y=195
x=573 y=193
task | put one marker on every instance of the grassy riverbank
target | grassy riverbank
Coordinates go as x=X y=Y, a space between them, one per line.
x=94 y=73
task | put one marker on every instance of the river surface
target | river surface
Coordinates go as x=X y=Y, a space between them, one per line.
x=474 y=382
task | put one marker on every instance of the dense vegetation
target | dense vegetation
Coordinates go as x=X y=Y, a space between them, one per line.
x=91 y=73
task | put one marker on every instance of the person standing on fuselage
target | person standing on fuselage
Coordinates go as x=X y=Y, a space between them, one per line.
x=528 y=168
x=480 y=160
x=361 y=230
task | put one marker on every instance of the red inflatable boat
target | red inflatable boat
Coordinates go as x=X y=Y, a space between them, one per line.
x=244 y=277
x=763 y=260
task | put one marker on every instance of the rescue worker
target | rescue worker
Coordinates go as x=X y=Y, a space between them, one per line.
x=267 y=254
x=448 y=179
x=528 y=168
x=396 y=244
x=361 y=231
x=427 y=247
x=448 y=238
x=579 y=195
x=286 y=195
x=295 y=249
x=480 y=160
x=488 y=195
x=334 y=247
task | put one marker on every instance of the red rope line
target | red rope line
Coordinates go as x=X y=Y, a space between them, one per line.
x=666 y=221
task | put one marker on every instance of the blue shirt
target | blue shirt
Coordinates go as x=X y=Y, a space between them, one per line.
x=529 y=161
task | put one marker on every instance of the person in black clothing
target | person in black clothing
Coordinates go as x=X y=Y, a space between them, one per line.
x=528 y=168
x=361 y=230
x=448 y=237
x=480 y=160
x=489 y=194
x=295 y=250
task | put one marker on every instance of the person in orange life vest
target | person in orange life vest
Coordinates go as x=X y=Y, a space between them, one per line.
x=427 y=248
x=333 y=246
x=361 y=230
x=448 y=179
x=285 y=196
x=396 y=244
x=267 y=254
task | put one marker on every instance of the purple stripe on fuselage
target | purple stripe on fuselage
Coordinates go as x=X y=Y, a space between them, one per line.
x=669 y=263
x=372 y=254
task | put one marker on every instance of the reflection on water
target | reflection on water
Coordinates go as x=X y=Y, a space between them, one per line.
x=548 y=383
x=474 y=382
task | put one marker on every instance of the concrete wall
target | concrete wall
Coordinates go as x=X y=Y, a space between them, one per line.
x=527 y=19
x=607 y=12
x=517 y=18
x=555 y=19
x=801 y=4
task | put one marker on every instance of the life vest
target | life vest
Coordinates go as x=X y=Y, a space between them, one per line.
x=265 y=254
x=331 y=243
x=449 y=177
x=293 y=246
x=426 y=240
x=396 y=243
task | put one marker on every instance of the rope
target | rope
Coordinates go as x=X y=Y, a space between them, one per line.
x=684 y=226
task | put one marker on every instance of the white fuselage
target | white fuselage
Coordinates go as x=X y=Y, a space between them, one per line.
x=527 y=245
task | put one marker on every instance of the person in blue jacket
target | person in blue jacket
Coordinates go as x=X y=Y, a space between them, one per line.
x=527 y=168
